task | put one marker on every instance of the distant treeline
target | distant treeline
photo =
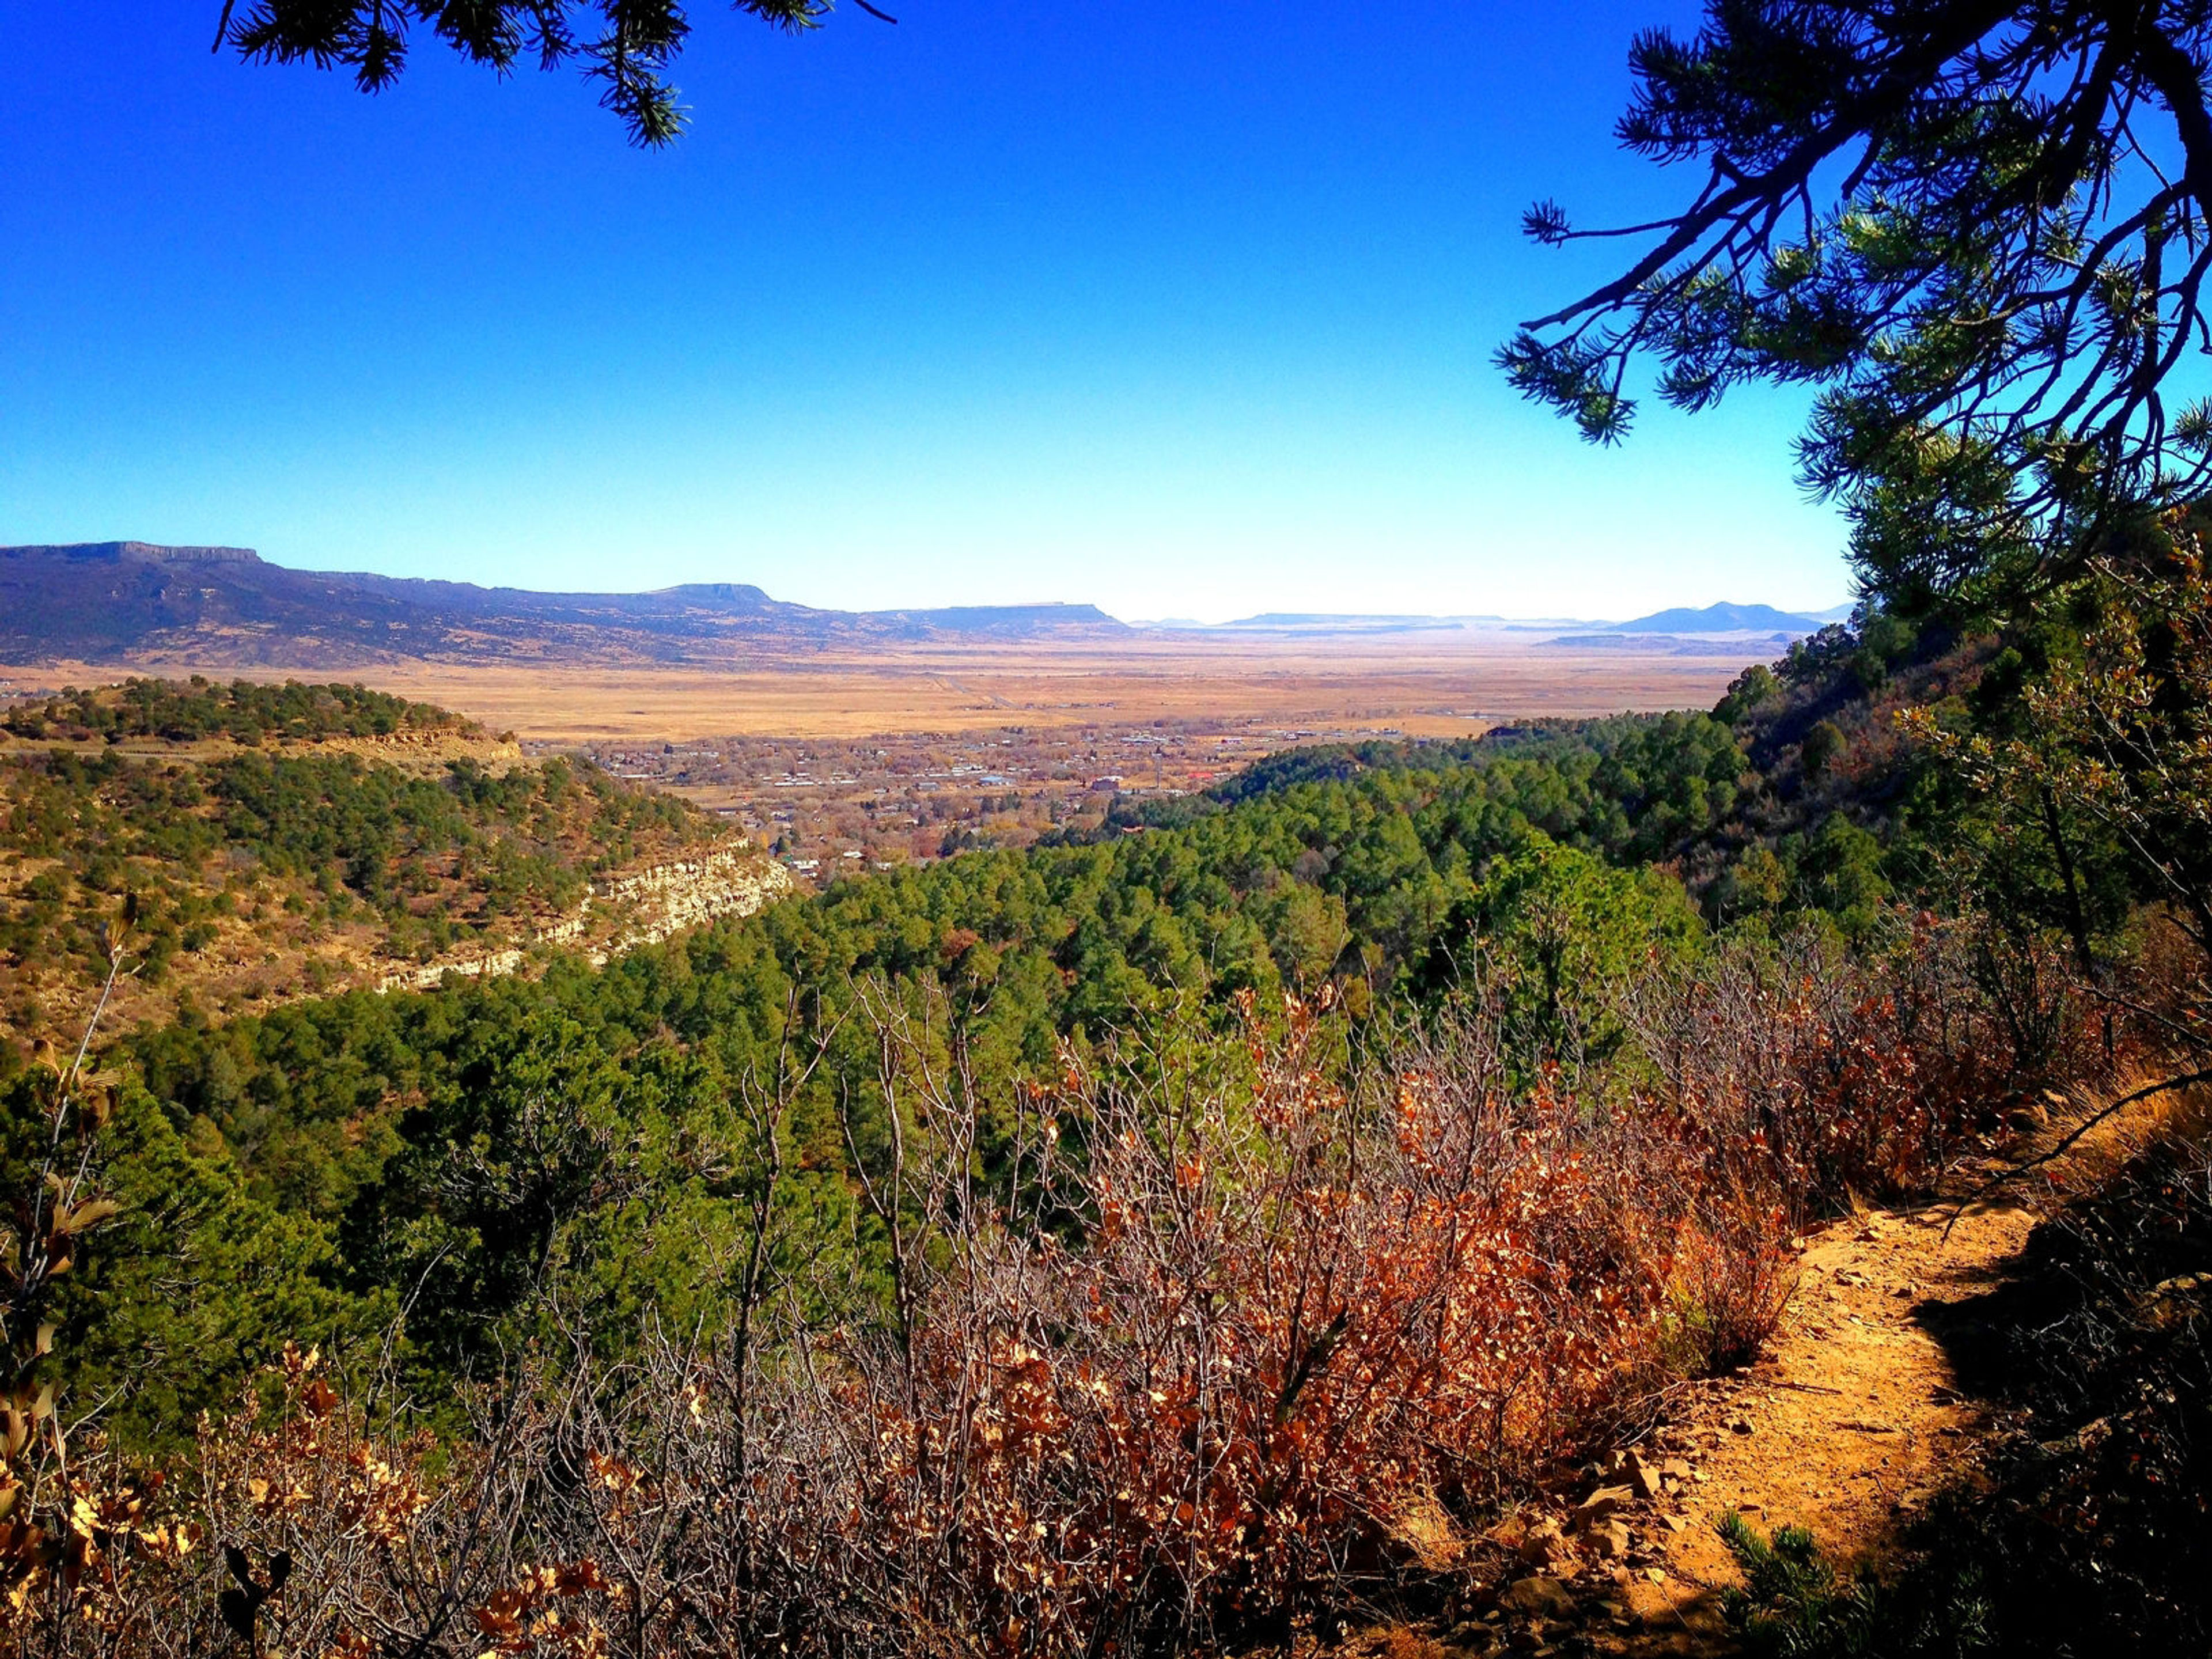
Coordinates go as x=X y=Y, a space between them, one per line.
x=244 y=711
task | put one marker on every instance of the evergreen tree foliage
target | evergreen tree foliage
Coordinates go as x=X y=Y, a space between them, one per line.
x=1979 y=229
x=625 y=46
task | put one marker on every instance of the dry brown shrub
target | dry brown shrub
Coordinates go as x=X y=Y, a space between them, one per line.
x=1219 y=1351
x=1288 y=1330
x=1817 y=1074
x=1223 y=1354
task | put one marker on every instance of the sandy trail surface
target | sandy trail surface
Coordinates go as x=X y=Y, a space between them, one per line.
x=1848 y=1427
x=1857 y=1416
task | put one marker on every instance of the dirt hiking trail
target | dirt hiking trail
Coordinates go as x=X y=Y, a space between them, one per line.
x=1847 y=1427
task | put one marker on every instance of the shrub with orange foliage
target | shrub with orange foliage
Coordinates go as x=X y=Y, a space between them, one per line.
x=1294 y=1339
x=1817 y=1074
x=1221 y=1346
x=1219 y=1351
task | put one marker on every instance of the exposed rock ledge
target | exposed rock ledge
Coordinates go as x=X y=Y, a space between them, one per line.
x=653 y=904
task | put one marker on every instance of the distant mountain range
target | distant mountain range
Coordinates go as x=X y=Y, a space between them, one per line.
x=1722 y=629
x=1730 y=619
x=1334 y=622
x=226 y=606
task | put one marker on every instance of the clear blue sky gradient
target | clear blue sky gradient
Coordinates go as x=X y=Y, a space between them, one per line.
x=1184 y=311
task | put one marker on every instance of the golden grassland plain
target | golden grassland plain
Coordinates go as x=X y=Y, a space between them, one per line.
x=1418 y=684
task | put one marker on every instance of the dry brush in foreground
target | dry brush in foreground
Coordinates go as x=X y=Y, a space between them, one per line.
x=1215 y=1355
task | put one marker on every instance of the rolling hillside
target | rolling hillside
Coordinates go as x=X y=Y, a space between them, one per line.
x=274 y=841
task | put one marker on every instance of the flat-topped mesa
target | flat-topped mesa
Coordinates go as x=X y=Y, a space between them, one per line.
x=140 y=552
x=724 y=594
x=212 y=607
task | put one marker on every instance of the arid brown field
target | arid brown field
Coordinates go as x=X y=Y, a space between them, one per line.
x=1421 y=684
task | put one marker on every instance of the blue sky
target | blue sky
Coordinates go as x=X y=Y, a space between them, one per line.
x=1181 y=310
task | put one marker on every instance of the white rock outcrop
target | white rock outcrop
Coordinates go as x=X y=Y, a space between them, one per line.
x=654 y=902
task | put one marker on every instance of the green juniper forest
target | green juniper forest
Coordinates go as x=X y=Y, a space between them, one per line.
x=1274 y=1216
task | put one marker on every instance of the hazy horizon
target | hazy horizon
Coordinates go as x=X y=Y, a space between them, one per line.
x=1253 y=613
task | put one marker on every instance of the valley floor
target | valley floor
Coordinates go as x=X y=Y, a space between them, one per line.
x=1418 y=684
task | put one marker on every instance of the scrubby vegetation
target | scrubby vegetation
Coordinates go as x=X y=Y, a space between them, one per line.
x=285 y=844
x=1190 y=1239
x=1137 y=1358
